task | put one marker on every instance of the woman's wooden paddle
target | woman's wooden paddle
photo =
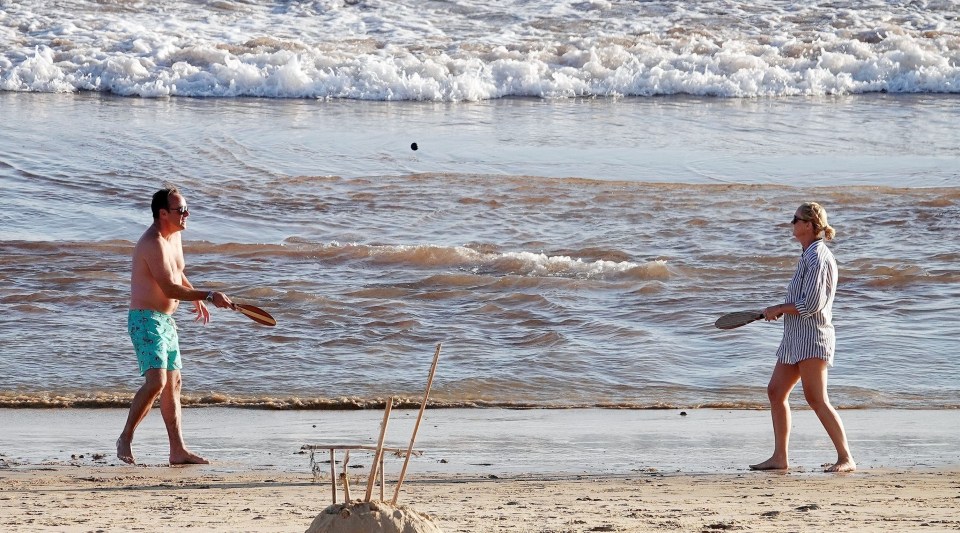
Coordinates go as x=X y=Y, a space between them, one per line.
x=256 y=314
x=737 y=319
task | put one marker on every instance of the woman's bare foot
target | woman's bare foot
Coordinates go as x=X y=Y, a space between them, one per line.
x=771 y=464
x=124 y=452
x=187 y=458
x=845 y=465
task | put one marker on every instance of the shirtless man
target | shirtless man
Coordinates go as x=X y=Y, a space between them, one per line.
x=157 y=285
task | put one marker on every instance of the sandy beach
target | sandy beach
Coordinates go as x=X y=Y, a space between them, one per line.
x=71 y=498
x=485 y=470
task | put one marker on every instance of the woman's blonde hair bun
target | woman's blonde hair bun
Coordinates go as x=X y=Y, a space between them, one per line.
x=815 y=213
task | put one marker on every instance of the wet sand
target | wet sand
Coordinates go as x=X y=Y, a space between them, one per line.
x=502 y=442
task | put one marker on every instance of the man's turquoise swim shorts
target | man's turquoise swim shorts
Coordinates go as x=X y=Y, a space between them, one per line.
x=155 y=339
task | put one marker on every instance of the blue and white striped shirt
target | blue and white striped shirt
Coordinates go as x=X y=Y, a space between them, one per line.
x=814 y=284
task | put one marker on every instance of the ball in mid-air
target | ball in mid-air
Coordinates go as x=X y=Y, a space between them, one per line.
x=414 y=146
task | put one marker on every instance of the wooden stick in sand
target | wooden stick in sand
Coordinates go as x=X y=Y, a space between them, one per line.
x=346 y=478
x=416 y=426
x=379 y=453
x=382 y=483
x=333 y=475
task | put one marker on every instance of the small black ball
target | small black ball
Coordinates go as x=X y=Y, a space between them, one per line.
x=414 y=146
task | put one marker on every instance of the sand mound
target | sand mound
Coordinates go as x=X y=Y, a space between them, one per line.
x=371 y=517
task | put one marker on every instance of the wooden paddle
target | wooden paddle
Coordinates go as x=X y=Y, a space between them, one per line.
x=737 y=319
x=256 y=314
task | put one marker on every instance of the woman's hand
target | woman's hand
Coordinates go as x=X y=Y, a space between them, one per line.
x=773 y=312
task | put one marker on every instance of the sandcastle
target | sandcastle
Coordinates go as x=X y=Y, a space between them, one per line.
x=369 y=517
x=364 y=515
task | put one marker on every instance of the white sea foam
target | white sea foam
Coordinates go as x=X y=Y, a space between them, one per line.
x=471 y=50
x=540 y=264
x=518 y=263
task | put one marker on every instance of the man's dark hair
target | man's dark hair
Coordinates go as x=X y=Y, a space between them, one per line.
x=161 y=200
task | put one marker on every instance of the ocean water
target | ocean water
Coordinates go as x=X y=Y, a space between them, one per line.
x=594 y=184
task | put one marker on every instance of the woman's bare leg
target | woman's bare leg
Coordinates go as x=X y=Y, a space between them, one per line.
x=813 y=373
x=784 y=378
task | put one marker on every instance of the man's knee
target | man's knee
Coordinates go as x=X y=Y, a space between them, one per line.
x=174 y=381
x=155 y=381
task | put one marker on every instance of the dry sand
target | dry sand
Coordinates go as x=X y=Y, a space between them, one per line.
x=125 y=498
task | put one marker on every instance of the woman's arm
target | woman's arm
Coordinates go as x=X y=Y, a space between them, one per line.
x=817 y=286
x=774 y=312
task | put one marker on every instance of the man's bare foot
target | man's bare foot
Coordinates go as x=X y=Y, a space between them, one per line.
x=187 y=458
x=770 y=464
x=124 y=453
x=846 y=465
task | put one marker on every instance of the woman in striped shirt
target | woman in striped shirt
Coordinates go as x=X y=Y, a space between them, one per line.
x=806 y=351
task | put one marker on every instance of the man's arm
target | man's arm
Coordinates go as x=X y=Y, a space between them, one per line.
x=159 y=260
x=218 y=298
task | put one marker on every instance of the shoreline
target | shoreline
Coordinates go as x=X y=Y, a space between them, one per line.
x=117 y=400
